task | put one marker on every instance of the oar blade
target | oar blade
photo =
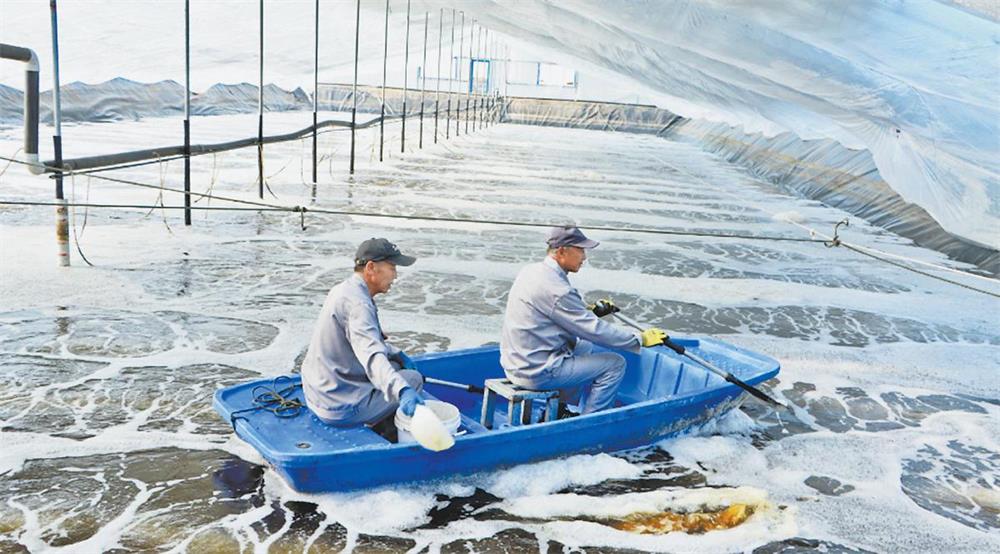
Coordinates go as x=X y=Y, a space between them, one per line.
x=757 y=393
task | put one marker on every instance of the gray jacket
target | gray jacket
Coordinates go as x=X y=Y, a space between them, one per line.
x=347 y=357
x=545 y=315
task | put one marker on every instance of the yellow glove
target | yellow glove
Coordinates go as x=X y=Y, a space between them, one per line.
x=652 y=337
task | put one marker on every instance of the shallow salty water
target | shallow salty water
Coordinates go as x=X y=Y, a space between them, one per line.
x=110 y=443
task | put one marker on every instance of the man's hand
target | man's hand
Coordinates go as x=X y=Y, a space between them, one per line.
x=603 y=307
x=653 y=337
x=409 y=400
x=404 y=361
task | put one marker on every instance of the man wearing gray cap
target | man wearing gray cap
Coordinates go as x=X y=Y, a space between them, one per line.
x=548 y=331
x=350 y=375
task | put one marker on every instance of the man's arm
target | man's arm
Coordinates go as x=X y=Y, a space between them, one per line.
x=570 y=313
x=367 y=344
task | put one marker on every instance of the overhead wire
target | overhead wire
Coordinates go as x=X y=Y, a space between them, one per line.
x=262 y=206
x=872 y=252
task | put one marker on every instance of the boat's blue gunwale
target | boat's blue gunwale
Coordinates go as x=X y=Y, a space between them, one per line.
x=247 y=432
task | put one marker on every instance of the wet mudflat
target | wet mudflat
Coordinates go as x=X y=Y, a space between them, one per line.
x=109 y=442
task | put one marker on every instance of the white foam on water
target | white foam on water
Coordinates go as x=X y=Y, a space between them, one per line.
x=876 y=514
x=546 y=477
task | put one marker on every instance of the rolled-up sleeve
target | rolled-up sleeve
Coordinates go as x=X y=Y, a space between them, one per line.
x=366 y=341
x=570 y=313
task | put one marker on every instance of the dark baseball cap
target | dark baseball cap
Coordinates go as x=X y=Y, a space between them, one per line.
x=569 y=235
x=381 y=250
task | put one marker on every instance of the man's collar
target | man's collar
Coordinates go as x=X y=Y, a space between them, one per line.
x=359 y=282
x=551 y=262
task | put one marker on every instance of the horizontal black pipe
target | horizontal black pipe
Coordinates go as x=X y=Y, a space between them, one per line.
x=105 y=160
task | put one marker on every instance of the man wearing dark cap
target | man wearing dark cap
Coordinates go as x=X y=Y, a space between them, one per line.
x=548 y=331
x=350 y=375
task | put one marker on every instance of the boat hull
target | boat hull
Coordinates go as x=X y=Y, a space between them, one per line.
x=314 y=457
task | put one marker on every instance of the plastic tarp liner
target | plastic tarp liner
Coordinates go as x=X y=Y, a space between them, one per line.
x=339 y=97
x=913 y=83
x=822 y=169
x=123 y=100
x=602 y=116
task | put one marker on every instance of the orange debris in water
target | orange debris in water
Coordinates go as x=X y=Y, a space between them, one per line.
x=693 y=522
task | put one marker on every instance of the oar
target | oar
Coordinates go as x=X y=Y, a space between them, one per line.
x=454 y=385
x=757 y=393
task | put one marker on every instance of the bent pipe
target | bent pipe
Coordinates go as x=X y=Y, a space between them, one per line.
x=108 y=160
x=26 y=55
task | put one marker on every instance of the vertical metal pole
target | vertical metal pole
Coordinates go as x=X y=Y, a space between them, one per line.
x=354 y=88
x=493 y=78
x=451 y=62
x=479 y=54
x=484 y=100
x=484 y=115
x=485 y=79
x=437 y=87
x=187 y=112
x=315 y=93
x=458 y=64
x=489 y=70
x=468 y=90
x=406 y=69
x=472 y=73
x=260 y=109
x=385 y=60
x=489 y=82
x=62 y=210
x=423 y=84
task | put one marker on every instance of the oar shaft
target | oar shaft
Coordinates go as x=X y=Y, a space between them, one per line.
x=454 y=385
x=729 y=377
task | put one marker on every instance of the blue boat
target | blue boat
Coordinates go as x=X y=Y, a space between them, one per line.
x=663 y=394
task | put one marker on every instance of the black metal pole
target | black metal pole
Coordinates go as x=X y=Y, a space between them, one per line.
x=458 y=64
x=468 y=92
x=437 y=88
x=260 y=110
x=354 y=88
x=385 y=61
x=62 y=210
x=478 y=101
x=484 y=98
x=423 y=83
x=315 y=95
x=187 y=112
x=406 y=82
x=489 y=81
x=451 y=64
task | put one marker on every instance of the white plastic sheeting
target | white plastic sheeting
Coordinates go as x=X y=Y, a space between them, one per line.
x=915 y=83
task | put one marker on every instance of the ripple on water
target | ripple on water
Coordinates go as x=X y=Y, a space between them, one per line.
x=837 y=326
x=21 y=407
x=172 y=491
x=960 y=482
x=847 y=409
x=173 y=399
x=121 y=334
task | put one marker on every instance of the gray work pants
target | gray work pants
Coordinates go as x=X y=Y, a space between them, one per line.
x=375 y=407
x=594 y=378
